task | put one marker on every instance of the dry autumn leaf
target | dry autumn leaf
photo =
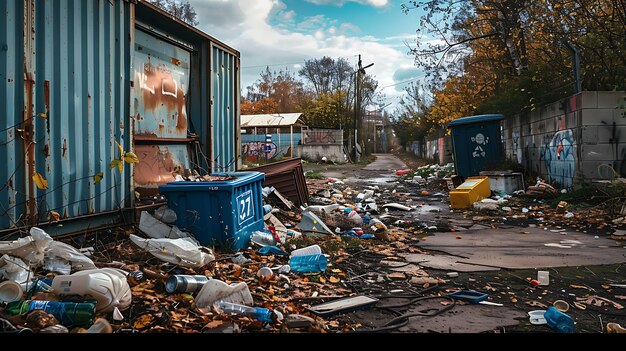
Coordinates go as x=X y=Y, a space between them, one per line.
x=143 y=321
x=98 y=178
x=40 y=181
x=54 y=217
x=121 y=151
x=130 y=157
x=42 y=115
x=334 y=280
x=213 y=324
x=117 y=163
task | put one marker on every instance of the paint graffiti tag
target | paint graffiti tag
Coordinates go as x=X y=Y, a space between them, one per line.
x=559 y=158
x=257 y=150
x=481 y=140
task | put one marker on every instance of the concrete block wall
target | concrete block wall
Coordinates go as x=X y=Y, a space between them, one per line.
x=575 y=139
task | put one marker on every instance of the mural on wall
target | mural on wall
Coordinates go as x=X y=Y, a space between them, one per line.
x=255 y=151
x=558 y=156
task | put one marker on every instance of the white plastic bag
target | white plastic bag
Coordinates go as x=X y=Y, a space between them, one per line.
x=13 y=268
x=215 y=290
x=58 y=251
x=30 y=249
x=156 y=229
x=184 y=251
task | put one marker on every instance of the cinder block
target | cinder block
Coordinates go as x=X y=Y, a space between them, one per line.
x=589 y=99
x=597 y=152
x=590 y=135
x=597 y=117
x=611 y=99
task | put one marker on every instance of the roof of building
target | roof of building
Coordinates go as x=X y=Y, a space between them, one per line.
x=271 y=120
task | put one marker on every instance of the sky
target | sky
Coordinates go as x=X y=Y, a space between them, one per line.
x=285 y=33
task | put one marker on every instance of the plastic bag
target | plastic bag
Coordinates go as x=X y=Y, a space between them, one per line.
x=156 y=229
x=215 y=290
x=30 y=249
x=184 y=251
x=13 y=268
x=165 y=215
x=61 y=251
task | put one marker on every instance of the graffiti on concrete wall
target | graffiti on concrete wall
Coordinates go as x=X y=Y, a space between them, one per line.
x=320 y=137
x=559 y=158
x=481 y=141
x=255 y=151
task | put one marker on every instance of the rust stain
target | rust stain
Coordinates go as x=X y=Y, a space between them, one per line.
x=161 y=90
x=64 y=148
x=29 y=146
x=11 y=183
x=46 y=94
x=46 y=150
x=156 y=165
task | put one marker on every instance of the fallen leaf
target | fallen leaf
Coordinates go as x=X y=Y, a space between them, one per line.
x=334 y=280
x=397 y=275
x=446 y=302
x=213 y=324
x=130 y=157
x=40 y=181
x=143 y=321
x=323 y=280
x=514 y=300
x=54 y=217
x=42 y=115
x=98 y=178
x=536 y=304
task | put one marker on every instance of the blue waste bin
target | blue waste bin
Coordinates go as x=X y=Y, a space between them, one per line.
x=477 y=143
x=220 y=213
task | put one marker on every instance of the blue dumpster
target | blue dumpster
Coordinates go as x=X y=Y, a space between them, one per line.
x=220 y=213
x=477 y=143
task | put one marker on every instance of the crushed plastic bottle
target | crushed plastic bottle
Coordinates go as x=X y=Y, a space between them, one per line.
x=559 y=321
x=258 y=313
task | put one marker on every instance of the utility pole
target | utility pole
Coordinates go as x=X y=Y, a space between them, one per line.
x=357 y=105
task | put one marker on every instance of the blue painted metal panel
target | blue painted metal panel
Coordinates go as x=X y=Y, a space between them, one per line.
x=12 y=170
x=225 y=109
x=76 y=58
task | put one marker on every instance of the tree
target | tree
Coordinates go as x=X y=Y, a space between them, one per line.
x=181 y=10
x=508 y=56
x=282 y=87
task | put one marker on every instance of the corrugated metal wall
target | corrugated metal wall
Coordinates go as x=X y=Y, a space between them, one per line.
x=224 y=110
x=71 y=88
x=70 y=61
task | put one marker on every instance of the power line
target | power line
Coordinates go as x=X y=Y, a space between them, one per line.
x=406 y=81
x=277 y=64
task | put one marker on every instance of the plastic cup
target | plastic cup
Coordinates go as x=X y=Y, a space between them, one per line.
x=10 y=291
x=265 y=274
x=543 y=277
x=308 y=263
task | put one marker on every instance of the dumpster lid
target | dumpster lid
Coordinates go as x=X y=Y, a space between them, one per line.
x=475 y=119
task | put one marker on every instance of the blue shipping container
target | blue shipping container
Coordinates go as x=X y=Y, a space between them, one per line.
x=220 y=213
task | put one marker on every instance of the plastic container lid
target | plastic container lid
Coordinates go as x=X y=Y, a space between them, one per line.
x=10 y=291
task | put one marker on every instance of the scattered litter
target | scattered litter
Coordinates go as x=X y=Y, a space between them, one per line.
x=183 y=251
x=216 y=290
x=398 y=206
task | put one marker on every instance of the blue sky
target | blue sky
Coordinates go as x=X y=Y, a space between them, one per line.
x=285 y=33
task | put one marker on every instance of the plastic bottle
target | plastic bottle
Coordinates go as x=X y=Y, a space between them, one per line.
x=258 y=313
x=263 y=238
x=308 y=263
x=559 y=321
x=68 y=313
x=185 y=283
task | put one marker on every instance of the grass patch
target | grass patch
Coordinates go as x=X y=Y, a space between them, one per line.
x=314 y=174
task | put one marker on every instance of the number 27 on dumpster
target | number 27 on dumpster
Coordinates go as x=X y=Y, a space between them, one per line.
x=245 y=207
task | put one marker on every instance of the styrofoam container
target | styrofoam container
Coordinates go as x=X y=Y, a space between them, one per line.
x=543 y=277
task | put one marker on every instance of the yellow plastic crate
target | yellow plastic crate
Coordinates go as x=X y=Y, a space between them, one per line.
x=474 y=189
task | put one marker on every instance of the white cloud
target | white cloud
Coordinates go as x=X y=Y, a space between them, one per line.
x=339 y=3
x=248 y=30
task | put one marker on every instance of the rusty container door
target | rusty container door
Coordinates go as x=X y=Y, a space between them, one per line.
x=161 y=83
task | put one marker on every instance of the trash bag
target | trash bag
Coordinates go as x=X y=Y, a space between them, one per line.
x=30 y=249
x=13 y=268
x=165 y=215
x=58 y=251
x=184 y=251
